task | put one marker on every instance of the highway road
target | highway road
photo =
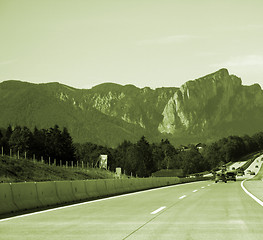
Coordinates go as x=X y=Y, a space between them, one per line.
x=200 y=210
x=236 y=165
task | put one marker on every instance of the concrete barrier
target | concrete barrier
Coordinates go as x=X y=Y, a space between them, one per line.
x=79 y=190
x=118 y=186
x=134 y=185
x=157 y=182
x=6 y=199
x=147 y=183
x=141 y=184
x=65 y=192
x=125 y=185
x=47 y=193
x=91 y=188
x=101 y=187
x=111 y=186
x=25 y=196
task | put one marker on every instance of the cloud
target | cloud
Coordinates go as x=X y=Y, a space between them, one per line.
x=166 y=40
x=243 y=61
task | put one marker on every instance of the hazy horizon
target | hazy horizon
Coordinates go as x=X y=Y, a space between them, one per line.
x=146 y=43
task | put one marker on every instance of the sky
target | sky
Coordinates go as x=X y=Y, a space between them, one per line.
x=153 y=43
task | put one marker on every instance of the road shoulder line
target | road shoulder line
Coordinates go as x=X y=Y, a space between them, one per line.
x=250 y=194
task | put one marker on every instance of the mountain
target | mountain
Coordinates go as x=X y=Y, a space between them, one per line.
x=106 y=114
x=204 y=109
x=215 y=105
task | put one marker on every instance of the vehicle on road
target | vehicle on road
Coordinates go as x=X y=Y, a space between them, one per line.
x=240 y=173
x=231 y=176
x=252 y=173
x=220 y=177
x=256 y=166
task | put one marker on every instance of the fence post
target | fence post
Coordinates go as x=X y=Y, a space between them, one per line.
x=82 y=164
x=10 y=152
x=42 y=160
x=48 y=161
x=77 y=164
x=2 y=151
x=55 y=162
x=34 y=158
x=25 y=155
x=71 y=164
x=66 y=164
x=60 y=163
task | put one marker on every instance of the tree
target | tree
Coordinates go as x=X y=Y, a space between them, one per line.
x=193 y=162
x=145 y=164
x=1 y=137
x=158 y=156
x=258 y=137
x=68 y=149
x=169 y=161
x=20 y=139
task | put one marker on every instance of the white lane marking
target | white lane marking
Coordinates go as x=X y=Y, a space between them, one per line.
x=250 y=194
x=202 y=187
x=195 y=190
x=182 y=197
x=158 y=210
x=93 y=201
x=208 y=185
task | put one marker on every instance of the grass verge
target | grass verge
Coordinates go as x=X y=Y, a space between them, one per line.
x=21 y=170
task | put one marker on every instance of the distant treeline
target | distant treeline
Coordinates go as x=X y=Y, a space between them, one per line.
x=47 y=143
x=138 y=159
x=142 y=158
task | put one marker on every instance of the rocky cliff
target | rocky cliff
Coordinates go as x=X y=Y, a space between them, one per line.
x=214 y=104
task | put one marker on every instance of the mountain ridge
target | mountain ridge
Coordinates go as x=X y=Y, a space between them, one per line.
x=206 y=108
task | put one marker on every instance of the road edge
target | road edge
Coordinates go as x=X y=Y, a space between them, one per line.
x=250 y=194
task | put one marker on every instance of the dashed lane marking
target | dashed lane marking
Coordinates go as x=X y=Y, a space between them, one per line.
x=195 y=190
x=182 y=197
x=158 y=210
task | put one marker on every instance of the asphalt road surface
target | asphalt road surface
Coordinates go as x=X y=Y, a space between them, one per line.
x=236 y=165
x=200 y=210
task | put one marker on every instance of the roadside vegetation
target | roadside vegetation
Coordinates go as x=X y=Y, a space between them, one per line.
x=142 y=159
x=24 y=170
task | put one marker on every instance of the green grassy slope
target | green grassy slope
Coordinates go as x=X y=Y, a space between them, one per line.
x=14 y=170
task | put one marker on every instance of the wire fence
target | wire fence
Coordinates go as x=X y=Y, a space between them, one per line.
x=51 y=162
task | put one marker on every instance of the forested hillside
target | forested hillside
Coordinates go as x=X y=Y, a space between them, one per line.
x=140 y=159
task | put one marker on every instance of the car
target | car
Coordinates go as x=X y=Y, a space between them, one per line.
x=220 y=177
x=231 y=176
x=252 y=173
x=256 y=166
